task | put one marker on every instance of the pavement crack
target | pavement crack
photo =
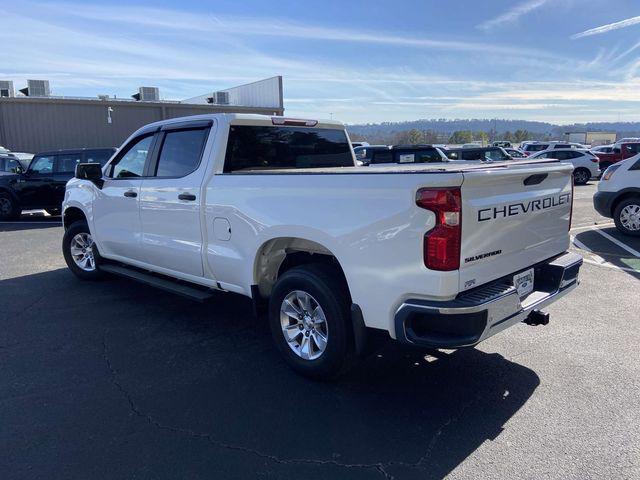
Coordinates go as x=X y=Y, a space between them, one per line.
x=378 y=467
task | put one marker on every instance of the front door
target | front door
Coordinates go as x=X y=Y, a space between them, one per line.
x=116 y=208
x=170 y=202
x=35 y=187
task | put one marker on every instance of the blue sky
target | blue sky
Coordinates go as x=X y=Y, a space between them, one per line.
x=362 y=61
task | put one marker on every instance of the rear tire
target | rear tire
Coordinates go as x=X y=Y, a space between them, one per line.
x=80 y=253
x=309 y=309
x=581 y=176
x=627 y=216
x=9 y=208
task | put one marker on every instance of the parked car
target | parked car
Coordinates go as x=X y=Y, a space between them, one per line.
x=603 y=149
x=619 y=152
x=585 y=163
x=515 y=153
x=434 y=255
x=9 y=163
x=42 y=184
x=618 y=195
x=532 y=147
x=407 y=154
x=364 y=154
x=485 y=154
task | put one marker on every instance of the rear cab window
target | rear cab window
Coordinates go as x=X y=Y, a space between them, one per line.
x=181 y=152
x=265 y=148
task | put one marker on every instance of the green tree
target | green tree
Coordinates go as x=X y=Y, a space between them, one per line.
x=521 y=135
x=461 y=136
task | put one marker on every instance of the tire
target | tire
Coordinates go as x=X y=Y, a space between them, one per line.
x=9 y=208
x=629 y=208
x=78 y=249
x=54 y=212
x=326 y=287
x=581 y=176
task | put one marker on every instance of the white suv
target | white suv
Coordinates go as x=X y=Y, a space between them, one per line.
x=618 y=195
x=585 y=163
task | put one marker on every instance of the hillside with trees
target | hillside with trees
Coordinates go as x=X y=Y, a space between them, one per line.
x=465 y=131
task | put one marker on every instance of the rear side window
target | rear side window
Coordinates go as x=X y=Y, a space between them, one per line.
x=472 y=155
x=181 y=152
x=98 y=156
x=633 y=148
x=256 y=147
x=383 y=156
x=536 y=147
x=418 y=156
x=67 y=162
x=131 y=161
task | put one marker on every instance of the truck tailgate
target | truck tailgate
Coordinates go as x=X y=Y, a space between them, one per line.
x=513 y=218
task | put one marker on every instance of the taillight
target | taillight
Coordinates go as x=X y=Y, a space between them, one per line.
x=442 y=242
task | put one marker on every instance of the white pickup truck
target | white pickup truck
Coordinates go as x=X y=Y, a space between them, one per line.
x=440 y=255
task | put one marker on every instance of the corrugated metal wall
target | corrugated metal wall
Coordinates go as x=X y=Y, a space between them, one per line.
x=34 y=125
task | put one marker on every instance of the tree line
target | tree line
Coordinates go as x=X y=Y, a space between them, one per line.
x=414 y=137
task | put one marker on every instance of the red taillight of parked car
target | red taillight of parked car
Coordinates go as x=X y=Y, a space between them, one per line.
x=442 y=242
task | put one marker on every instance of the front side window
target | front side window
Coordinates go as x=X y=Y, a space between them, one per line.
x=43 y=164
x=181 y=152
x=632 y=149
x=263 y=147
x=131 y=163
x=67 y=163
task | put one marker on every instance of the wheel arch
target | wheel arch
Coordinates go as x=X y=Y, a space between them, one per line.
x=622 y=196
x=277 y=255
x=72 y=215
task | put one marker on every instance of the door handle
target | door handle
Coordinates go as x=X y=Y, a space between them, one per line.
x=131 y=194
x=186 y=196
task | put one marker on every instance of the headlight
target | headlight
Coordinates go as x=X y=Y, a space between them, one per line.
x=609 y=171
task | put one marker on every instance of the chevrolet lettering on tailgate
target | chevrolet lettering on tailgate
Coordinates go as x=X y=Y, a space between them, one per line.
x=520 y=208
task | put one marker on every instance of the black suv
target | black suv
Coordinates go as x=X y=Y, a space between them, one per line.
x=407 y=154
x=42 y=184
x=483 y=154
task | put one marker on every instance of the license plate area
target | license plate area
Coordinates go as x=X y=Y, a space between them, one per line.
x=524 y=282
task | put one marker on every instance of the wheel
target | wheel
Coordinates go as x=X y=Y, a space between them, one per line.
x=80 y=252
x=9 y=208
x=310 y=322
x=581 y=176
x=54 y=212
x=627 y=216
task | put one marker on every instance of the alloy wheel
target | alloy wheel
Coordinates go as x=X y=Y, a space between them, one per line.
x=81 y=249
x=304 y=325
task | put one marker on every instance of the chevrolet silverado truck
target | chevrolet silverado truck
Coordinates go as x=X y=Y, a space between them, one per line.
x=440 y=255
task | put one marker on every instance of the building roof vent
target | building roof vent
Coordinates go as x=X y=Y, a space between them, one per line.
x=36 y=88
x=147 y=94
x=219 y=98
x=6 y=88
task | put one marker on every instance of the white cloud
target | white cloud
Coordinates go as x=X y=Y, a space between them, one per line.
x=512 y=14
x=608 y=27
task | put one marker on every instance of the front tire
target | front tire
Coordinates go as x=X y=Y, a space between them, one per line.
x=9 y=208
x=80 y=252
x=310 y=322
x=627 y=216
x=581 y=176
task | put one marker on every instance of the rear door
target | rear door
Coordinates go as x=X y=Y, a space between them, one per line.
x=63 y=170
x=170 y=201
x=513 y=218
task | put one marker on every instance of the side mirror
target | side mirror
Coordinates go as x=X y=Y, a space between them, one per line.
x=91 y=172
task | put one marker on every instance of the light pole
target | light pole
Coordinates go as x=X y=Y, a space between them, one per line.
x=109 y=110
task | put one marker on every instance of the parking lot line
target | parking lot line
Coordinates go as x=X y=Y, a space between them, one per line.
x=592 y=226
x=622 y=245
x=609 y=265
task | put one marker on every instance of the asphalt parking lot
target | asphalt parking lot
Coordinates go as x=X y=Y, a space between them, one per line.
x=118 y=380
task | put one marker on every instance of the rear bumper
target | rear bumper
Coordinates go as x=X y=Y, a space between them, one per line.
x=478 y=314
x=602 y=202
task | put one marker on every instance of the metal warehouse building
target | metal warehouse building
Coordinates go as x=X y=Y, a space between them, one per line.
x=36 y=121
